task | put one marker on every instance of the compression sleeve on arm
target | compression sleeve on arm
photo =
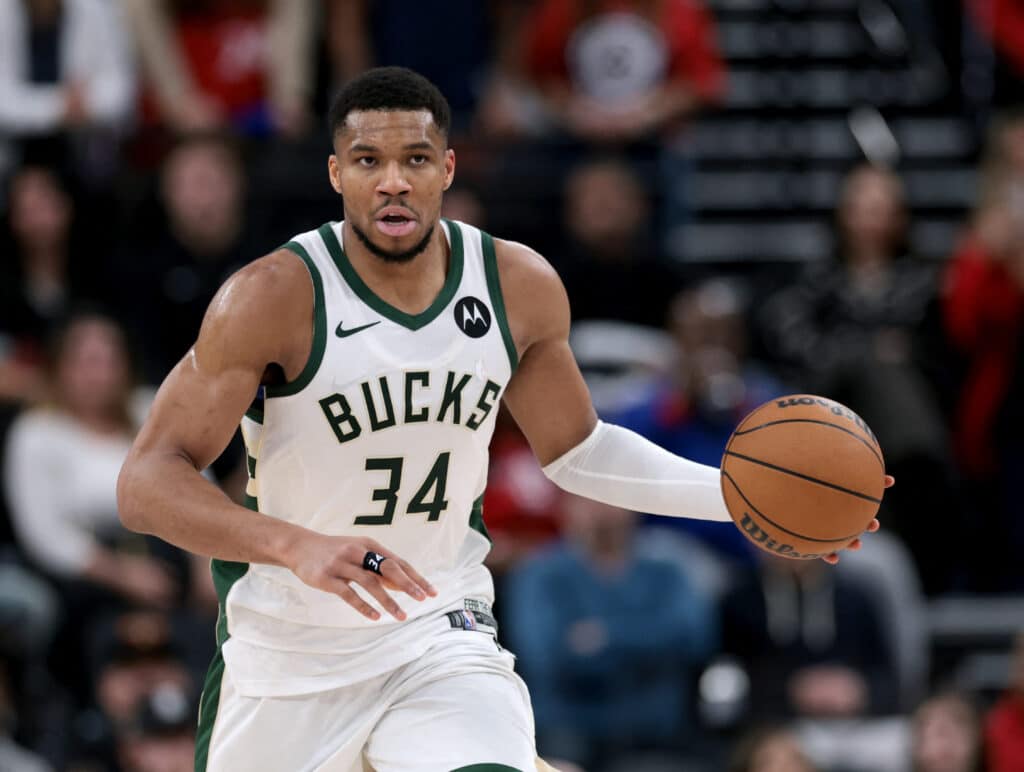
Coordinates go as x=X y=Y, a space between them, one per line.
x=619 y=467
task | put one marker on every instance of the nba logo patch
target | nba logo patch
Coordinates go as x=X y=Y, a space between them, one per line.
x=468 y=622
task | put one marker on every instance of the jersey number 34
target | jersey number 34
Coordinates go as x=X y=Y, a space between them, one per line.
x=433 y=487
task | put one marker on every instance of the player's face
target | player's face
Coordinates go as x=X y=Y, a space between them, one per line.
x=392 y=167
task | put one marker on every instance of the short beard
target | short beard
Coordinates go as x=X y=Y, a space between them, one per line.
x=395 y=257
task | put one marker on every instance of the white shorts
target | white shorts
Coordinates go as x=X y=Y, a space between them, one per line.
x=460 y=706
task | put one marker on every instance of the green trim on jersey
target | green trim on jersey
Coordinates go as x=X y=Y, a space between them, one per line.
x=382 y=307
x=255 y=414
x=497 y=299
x=225 y=574
x=208 y=703
x=487 y=768
x=316 y=352
x=476 y=519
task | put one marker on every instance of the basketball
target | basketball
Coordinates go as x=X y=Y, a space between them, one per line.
x=802 y=476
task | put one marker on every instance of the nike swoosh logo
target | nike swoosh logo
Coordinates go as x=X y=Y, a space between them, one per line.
x=341 y=332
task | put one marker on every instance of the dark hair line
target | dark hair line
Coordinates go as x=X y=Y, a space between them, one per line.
x=389 y=88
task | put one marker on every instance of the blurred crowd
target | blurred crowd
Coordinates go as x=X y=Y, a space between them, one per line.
x=149 y=148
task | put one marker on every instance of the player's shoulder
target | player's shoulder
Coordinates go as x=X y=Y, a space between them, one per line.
x=534 y=295
x=519 y=262
x=261 y=306
x=279 y=278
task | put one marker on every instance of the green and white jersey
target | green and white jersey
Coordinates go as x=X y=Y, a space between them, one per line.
x=383 y=434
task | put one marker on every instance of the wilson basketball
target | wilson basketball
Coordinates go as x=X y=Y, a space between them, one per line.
x=802 y=476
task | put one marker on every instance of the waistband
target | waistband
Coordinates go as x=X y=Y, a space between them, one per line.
x=474 y=615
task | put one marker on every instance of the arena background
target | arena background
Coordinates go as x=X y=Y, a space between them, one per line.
x=745 y=198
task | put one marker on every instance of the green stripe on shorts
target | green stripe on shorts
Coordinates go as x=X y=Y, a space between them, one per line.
x=208 y=710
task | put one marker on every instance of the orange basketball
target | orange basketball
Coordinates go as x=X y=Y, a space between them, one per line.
x=802 y=476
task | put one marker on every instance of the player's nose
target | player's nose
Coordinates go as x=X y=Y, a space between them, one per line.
x=393 y=182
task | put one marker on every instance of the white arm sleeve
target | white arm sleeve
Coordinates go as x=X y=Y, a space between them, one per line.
x=619 y=467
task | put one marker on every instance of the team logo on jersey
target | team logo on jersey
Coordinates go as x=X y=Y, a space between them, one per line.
x=473 y=317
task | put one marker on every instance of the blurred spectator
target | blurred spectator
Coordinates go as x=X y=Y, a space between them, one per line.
x=770 y=750
x=1004 y=725
x=145 y=692
x=215 y=63
x=716 y=383
x=12 y=756
x=983 y=308
x=44 y=272
x=623 y=70
x=811 y=641
x=607 y=639
x=1001 y=24
x=62 y=464
x=611 y=264
x=453 y=43
x=65 y=70
x=165 y=280
x=947 y=736
x=857 y=329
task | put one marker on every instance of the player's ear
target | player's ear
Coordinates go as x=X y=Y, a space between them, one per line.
x=449 y=168
x=334 y=173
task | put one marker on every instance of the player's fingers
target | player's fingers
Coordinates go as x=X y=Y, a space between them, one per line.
x=874 y=525
x=832 y=558
x=343 y=590
x=396 y=577
x=407 y=572
x=889 y=481
x=854 y=545
x=369 y=582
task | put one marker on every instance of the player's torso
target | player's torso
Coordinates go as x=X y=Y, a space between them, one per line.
x=385 y=432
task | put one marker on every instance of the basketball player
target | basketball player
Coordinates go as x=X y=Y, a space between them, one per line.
x=365 y=360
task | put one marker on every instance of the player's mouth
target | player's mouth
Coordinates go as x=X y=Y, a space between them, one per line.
x=395 y=221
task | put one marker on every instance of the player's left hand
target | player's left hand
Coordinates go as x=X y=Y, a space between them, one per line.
x=873 y=526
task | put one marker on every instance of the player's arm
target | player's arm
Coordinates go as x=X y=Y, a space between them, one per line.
x=250 y=325
x=550 y=401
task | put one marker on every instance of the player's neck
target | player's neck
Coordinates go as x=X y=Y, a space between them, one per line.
x=410 y=286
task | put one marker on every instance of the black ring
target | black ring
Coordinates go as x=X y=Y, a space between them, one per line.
x=372 y=562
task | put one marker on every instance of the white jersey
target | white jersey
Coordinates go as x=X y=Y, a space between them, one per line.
x=383 y=434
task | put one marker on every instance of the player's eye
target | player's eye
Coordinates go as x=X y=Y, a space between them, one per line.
x=366 y=161
x=418 y=160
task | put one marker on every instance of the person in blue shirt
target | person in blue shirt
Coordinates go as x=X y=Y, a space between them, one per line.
x=608 y=639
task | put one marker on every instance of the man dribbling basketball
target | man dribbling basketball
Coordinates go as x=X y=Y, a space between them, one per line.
x=365 y=360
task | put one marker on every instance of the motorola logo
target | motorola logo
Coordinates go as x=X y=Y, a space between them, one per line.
x=473 y=317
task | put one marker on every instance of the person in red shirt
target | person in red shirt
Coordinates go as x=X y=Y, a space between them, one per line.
x=983 y=313
x=623 y=69
x=1004 y=725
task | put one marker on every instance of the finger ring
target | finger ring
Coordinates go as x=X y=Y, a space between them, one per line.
x=372 y=561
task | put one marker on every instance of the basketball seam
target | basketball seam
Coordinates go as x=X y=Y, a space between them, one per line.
x=808 y=478
x=854 y=434
x=768 y=520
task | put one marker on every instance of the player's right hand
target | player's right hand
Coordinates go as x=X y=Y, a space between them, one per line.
x=334 y=563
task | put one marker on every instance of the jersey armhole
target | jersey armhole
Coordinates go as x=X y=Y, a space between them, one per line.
x=316 y=352
x=497 y=299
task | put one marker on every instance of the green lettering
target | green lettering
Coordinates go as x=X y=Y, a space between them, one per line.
x=485 y=404
x=389 y=409
x=436 y=480
x=339 y=416
x=423 y=414
x=453 y=398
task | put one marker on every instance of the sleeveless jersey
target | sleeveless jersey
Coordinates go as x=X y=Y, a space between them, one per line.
x=383 y=434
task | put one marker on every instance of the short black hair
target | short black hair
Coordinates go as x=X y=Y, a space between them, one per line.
x=389 y=88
